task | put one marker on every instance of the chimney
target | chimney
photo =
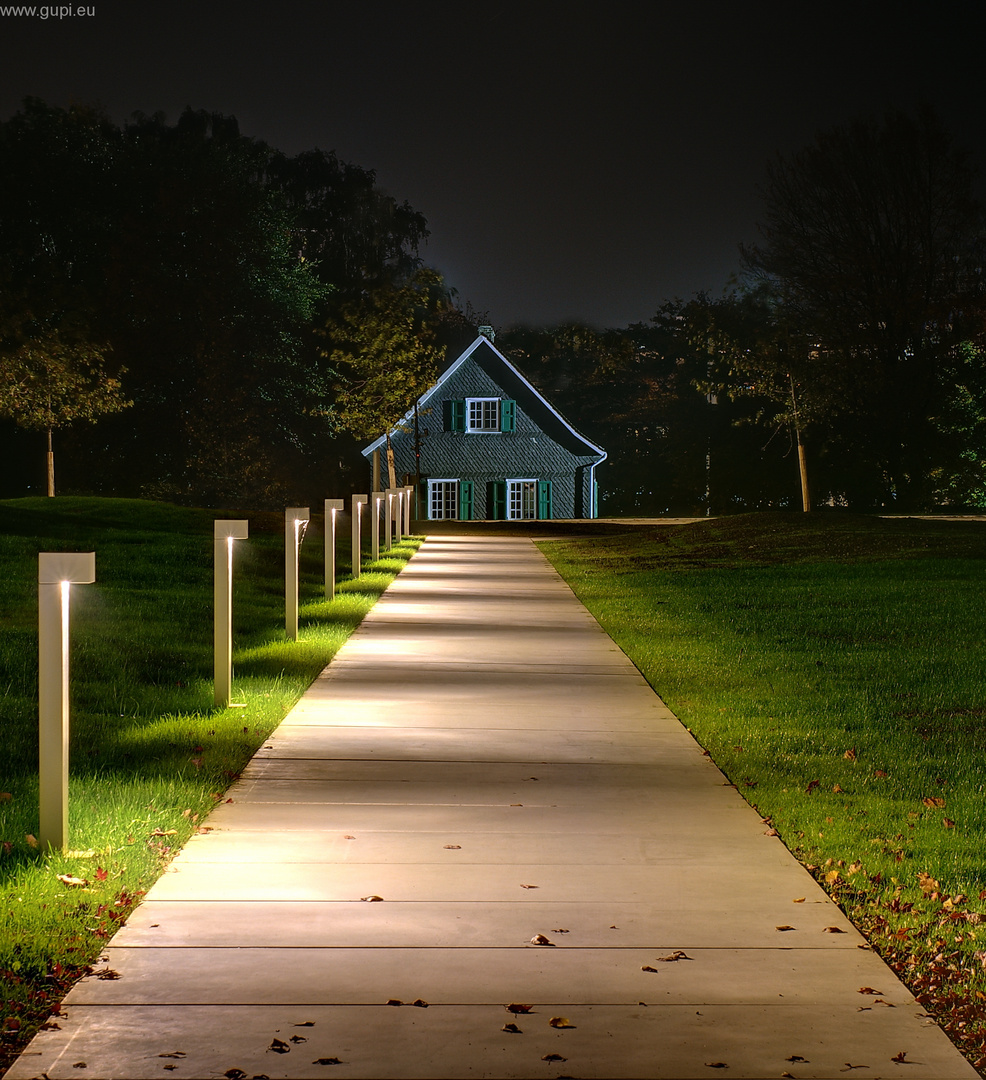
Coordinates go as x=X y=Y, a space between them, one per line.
x=488 y=332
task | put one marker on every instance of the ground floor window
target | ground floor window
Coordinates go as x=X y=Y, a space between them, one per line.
x=522 y=499
x=443 y=499
x=450 y=499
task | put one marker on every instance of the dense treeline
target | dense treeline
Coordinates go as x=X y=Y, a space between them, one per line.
x=846 y=366
x=194 y=269
x=235 y=319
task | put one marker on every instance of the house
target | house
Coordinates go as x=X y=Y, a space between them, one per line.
x=492 y=447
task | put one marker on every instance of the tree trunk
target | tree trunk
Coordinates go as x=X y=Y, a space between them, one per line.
x=51 y=468
x=803 y=469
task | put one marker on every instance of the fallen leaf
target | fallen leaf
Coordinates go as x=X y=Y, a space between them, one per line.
x=108 y=974
x=561 y=1022
x=348 y=837
x=371 y=899
x=832 y=877
x=869 y=990
x=174 y=1054
x=80 y=1065
x=298 y=1039
x=796 y=1057
x=453 y=847
x=420 y=1003
x=516 y=804
x=673 y=957
x=833 y=930
x=32 y=841
x=838 y=789
x=933 y=802
x=553 y=1057
x=306 y=1023
x=279 y=1046
x=647 y=967
x=72 y=882
x=798 y=900
x=716 y=1065
x=512 y=1028
x=784 y=926
x=560 y=931
x=899 y=1058
x=880 y=1001
x=394 y=1001
x=880 y=774
x=514 y=1007
x=235 y=1074
x=530 y=886
x=812 y=784
x=850 y=755
x=949 y=824
x=327 y=1061
x=540 y=939
x=171 y=1066
x=101 y=874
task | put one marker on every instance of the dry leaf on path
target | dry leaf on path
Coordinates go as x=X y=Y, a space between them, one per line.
x=869 y=990
x=647 y=967
x=529 y=886
x=832 y=930
x=420 y=1003
x=561 y=1022
x=371 y=899
x=512 y=1028
x=515 y=1007
x=673 y=957
x=553 y=1057
x=279 y=1046
x=327 y=1061
x=785 y=926
x=540 y=939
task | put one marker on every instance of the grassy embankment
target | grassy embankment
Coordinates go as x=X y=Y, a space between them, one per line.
x=150 y=754
x=835 y=669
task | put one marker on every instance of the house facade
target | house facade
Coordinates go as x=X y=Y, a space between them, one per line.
x=487 y=445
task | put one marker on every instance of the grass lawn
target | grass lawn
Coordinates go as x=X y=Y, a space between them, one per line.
x=150 y=754
x=834 y=666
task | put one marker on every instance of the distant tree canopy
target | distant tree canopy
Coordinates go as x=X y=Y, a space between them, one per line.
x=205 y=260
x=857 y=328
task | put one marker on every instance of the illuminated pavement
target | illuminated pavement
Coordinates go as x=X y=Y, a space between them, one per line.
x=478 y=769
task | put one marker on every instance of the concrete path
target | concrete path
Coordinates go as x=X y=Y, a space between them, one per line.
x=480 y=803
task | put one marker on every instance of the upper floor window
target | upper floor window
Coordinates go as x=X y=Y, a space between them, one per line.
x=478 y=415
x=482 y=414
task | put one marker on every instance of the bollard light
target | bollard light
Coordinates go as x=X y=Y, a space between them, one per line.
x=358 y=502
x=409 y=492
x=376 y=499
x=225 y=533
x=399 y=496
x=332 y=509
x=296 y=520
x=389 y=518
x=57 y=573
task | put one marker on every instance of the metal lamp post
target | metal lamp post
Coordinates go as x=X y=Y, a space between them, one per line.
x=332 y=508
x=295 y=520
x=225 y=533
x=57 y=572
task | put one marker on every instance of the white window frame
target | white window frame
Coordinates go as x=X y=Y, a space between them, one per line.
x=432 y=485
x=515 y=499
x=482 y=405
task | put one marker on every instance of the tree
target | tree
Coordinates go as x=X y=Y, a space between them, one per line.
x=385 y=351
x=53 y=381
x=871 y=254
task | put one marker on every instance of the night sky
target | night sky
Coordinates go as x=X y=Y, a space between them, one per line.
x=582 y=161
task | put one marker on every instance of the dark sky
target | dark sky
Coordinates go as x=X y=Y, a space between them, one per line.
x=586 y=160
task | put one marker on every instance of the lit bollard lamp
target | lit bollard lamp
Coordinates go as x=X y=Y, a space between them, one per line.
x=389 y=519
x=222 y=591
x=376 y=499
x=57 y=572
x=332 y=510
x=296 y=520
x=400 y=496
x=408 y=494
x=358 y=502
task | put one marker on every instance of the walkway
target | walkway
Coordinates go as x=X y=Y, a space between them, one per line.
x=480 y=803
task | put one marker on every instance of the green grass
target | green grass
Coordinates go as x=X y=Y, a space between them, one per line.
x=833 y=666
x=150 y=754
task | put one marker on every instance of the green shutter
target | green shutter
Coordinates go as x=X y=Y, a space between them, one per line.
x=454 y=415
x=544 y=499
x=465 y=500
x=496 y=506
x=508 y=410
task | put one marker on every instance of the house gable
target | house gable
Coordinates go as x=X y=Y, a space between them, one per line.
x=482 y=426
